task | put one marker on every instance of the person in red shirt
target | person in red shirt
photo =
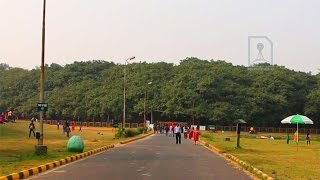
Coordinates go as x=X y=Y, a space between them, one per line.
x=173 y=126
x=196 y=134
x=191 y=133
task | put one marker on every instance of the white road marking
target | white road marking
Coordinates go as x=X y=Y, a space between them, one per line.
x=147 y=174
x=59 y=171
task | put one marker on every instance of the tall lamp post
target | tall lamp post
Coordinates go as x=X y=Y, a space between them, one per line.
x=40 y=148
x=124 y=90
x=144 y=105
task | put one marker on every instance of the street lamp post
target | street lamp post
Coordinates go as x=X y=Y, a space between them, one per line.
x=124 y=91
x=144 y=105
x=40 y=148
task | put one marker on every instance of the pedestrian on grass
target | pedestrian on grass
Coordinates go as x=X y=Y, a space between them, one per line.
x=177 y=131
x=31 y=129
x=58 y=124
x=67 y=125
x=308 y=138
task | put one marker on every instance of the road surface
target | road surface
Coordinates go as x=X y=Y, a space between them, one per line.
x=153 y=158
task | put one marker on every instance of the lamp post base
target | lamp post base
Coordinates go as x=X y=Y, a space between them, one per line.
x=41 y=149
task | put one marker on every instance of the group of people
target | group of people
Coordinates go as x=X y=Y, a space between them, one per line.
x=7 y=117
x=66 y=127
x=175 y=130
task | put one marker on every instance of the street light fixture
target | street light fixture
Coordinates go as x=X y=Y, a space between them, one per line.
x=124 y=90
x=144 y=105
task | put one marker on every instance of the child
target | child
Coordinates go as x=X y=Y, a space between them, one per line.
x=196 y=134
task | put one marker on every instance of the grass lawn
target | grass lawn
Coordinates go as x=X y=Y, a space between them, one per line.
x=274 y=157
x=17 y=149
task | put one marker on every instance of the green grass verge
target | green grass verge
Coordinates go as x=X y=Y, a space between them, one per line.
x=274 y=157
x=17 y=149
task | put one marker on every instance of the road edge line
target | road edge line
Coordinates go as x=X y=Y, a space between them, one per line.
x=244 y=166
x=137 y=138
x=51 y=165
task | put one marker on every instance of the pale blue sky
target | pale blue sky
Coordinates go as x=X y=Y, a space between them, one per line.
x=159 y=30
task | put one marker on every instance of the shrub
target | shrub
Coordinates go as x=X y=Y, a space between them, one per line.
x=131 y=132
x=119 y=133
x=141 y=130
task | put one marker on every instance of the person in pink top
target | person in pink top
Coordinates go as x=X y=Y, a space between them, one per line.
x=173 y=126
x=1 y=119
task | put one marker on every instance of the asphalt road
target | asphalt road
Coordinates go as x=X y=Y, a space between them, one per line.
x=156 y=157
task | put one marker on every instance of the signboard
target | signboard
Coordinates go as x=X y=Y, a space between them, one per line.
x=42 y=106
x=212 y=128
x=201 y=128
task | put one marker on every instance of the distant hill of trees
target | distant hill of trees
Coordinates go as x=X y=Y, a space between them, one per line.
x=206 y=92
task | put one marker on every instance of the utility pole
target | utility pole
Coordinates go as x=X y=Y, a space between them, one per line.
x=40 y=148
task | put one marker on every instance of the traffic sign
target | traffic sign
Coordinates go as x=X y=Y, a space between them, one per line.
x=42 y=106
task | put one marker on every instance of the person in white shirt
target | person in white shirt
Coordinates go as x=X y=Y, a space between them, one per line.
x=185 y=131
x=177 y=131
x=170 y=130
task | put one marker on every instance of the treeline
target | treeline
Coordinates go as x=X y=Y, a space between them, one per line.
x=199 y=91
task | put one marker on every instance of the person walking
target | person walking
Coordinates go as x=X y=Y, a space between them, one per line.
x=67 y=126
x=80 y=127
x=308 y=138
x=170 y=130
x=167 y=129
x=173 y=127
x=177 y=131
x=154 y=128
x=185 y=131
x=288 y=138
x=191 y=133
x=196 y=134
x=31 y=129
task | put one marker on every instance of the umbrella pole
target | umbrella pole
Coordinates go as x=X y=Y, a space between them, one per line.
x=297 y=135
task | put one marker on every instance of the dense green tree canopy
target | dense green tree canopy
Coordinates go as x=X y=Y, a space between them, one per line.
x=196 y=91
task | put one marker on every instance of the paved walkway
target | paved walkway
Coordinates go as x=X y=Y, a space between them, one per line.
x=154 y=158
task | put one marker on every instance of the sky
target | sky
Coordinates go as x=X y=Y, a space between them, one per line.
x=160 y=30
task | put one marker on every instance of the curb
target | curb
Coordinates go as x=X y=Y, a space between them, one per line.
x=42 y=168
x=241 y=163
x=134 y=139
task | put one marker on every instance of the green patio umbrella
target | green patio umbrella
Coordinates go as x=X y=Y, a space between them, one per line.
x=297 y=119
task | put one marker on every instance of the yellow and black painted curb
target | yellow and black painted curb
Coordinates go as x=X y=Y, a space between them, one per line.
x=36 y=170
x=134 y=139
x=241 y=163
